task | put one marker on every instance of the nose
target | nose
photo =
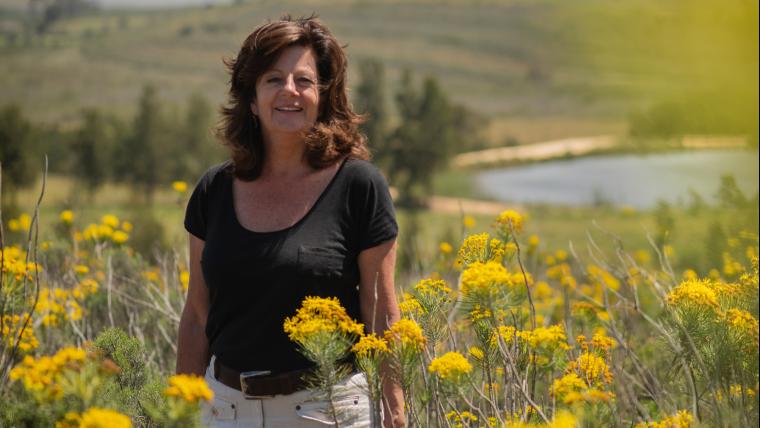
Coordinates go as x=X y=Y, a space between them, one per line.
x=290 y=85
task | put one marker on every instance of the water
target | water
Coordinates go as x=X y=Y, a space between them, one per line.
x=634 y=180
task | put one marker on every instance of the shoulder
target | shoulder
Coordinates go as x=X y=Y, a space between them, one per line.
x=214 y=175
x=363 y=173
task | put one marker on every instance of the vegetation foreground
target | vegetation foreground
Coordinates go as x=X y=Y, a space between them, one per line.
x=503 y=334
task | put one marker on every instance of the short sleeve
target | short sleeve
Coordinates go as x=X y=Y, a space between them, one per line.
x=376 y=216
x=196 y=213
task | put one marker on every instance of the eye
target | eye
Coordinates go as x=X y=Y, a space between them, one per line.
x=273 y=79
x=306 y=80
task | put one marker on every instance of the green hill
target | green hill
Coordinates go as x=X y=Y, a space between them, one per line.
x=540 y=69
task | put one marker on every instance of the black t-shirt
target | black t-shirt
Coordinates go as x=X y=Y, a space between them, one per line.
x=257 y=279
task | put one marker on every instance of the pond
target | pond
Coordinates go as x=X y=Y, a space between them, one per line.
x=634 y=180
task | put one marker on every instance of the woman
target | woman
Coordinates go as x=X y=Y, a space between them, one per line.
x=298 y=211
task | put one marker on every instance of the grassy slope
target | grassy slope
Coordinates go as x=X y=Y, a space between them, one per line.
x=594 y=60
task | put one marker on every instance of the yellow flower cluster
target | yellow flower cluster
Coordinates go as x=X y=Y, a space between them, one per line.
x=179 y=186
x=451 y=366
x=15 y=264
x=189 y=388
x=486 y=279
x=599 y=343
x=571 y=389
x=694 y=293
x=320 y=315
x=682 y=419
x=510 y=221
x=460 y=419
x=95 y=417
x=12 y=325
x=184 y=279
x=445 y=247
x=600 y=276
x=66 y=217
x=480 y=248
x=107 y=229
x=743 y=323
x=507 y=333
x=410 y=307
x=436 y=288
x=592 y=368
x=20 y=224
x=40 y=376
x=545 y=338
x=370 y=346
x=562 y=273
x=562 y=419
x=406 y=332
x=58 y=304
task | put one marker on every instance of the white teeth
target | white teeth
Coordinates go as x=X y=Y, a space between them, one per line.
x=289 y=108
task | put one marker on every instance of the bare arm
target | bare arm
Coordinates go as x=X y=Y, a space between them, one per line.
x=376 y=267
x=192 y=347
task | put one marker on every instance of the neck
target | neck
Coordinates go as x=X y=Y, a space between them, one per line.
x=284 y=157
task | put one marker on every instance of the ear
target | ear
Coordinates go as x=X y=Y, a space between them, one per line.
x=254 y=108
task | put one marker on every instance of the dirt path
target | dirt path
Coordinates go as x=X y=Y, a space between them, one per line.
x=469 y=206
x=535 y=152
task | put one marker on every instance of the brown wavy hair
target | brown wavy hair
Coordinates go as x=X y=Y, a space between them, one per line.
x=336 y=132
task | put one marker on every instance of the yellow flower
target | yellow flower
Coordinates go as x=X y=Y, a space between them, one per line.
x=408 y=333
x=468 y=222
x=25 y=222
x=14 y=225
x=410 y=306
x=320 y=315
x=744 y=324
x=370 y=346
x=119 y=237
x=485 y=278
x=476 y=353
x=445 y=248
x=545 y=338
x=67 y=217
x=592 y=368
x=103 y=418
x=110 y=220
x=81 y=269
x=190 y=388
x=568 y=383
x=510 y=222
x=40 y=376
x=479 y=248
x=179 y=186
x=184 y=279
x=432 y=288
x=126 y=226
x=695 y=292
x=12 y=327
x=460 y=419
x=451 y=366
x=682 y=419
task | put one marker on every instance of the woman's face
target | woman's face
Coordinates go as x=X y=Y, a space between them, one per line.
x=287 y=95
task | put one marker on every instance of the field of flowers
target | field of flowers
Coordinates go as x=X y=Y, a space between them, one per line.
x=503 y=333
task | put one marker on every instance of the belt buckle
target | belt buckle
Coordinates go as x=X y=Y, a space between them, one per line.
x=244 y=386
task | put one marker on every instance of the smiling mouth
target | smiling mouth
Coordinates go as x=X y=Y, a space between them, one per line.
x=289 y=109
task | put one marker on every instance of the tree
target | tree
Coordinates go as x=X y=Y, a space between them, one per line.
x=16 y=154
x=370 y=101
x=424 y=141
x=139 y=156
x=194 y=150
x=92 y=146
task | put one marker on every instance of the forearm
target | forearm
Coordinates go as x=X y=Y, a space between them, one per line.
x=192 y=346
x=393 y=399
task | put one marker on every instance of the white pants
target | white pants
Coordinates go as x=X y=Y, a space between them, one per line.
x=230 y=409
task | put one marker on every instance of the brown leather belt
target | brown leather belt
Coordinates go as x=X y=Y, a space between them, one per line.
x=260 y=384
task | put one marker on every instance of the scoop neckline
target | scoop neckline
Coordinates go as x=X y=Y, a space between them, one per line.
x=296 y=224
